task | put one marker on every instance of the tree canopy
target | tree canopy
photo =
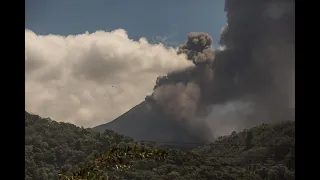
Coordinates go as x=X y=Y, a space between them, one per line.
x=64 y=151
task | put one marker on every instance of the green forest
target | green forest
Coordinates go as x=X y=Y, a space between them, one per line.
x=57 y=150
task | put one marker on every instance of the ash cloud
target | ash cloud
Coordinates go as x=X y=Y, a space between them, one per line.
x=90 y=79
x=198 y=48
x=248 y=81
x=179 y=93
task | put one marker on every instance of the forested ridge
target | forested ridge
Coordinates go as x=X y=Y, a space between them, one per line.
x=52 y=148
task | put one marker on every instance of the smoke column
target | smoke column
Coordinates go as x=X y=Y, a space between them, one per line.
x=248 y=81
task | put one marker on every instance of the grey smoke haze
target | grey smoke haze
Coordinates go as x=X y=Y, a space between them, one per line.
x=179 y=93
x=248 y=81
x=226 y=118
x=90 y=79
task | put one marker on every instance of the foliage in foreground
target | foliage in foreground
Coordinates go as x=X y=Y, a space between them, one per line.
x=51 y=146
x=118 y=159
x=262 y=152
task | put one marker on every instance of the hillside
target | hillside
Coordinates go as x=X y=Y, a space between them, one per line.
x=147 y=122
x=51 y=146
x=265 y=150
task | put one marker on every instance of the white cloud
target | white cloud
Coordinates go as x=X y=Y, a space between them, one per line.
x=89 y=79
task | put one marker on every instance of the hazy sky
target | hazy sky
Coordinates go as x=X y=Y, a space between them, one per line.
x=147 y=18
x=91 y=78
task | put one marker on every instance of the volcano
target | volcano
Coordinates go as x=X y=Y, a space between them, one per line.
x=147 y=122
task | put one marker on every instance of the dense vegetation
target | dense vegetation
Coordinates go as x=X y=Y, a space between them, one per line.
x=51 y=146
x=263 y=152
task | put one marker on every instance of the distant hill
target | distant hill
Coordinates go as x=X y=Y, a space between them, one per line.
x=147 y=122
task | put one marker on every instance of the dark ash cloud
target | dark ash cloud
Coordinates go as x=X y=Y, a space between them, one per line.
x=251 y=77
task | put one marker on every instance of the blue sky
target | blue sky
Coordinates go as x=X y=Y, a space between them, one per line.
x=173 y=19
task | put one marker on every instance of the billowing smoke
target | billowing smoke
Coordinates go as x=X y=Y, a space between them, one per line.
x=90 y=79
x=180 y=92
x=198 y=48
x=248 y=81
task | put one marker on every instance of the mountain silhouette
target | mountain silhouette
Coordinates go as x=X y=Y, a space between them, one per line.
x=147 y=122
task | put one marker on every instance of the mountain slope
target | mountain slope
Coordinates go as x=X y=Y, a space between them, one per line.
x=147 y=122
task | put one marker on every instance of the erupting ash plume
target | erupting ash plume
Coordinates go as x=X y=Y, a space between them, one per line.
x=180 y=92
x=198 y=48
x=249 y=81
